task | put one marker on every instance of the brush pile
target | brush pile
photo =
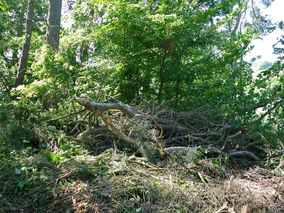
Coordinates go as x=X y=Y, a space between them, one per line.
x=164 y=129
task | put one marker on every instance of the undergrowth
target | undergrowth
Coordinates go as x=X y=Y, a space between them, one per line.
x=72 y=179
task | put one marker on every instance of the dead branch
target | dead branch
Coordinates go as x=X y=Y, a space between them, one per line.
x=123 y=107
x=64 y=116
x=229 y=137
x=118 y=133
x=91 y=131
x=244 y=153
x=99 y=106
x=179 y=149
x=214 y=150
x=174 y=128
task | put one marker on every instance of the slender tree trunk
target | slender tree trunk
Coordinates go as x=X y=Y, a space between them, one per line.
x=161 y=75
x=53 y=27
x=178 y=86
x=84 y=51
x=26 y=45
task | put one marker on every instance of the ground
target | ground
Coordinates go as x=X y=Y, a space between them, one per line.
x=116 y=181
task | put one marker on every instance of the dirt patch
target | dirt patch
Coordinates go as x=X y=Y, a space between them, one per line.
x=256 y=192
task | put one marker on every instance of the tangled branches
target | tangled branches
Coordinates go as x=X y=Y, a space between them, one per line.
x=168 y=130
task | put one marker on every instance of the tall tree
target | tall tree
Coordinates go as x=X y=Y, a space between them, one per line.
x=3 y=5
x=26 y=45
x=54 y=19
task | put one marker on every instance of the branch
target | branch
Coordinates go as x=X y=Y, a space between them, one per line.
x=116 y=132
x=229 y=137
x=244 y=153
x=179 y=149
x=64 y=116
x=91 y=131
x=215 y=151
x=123 y=107
x=277 y=105
x=238 y=21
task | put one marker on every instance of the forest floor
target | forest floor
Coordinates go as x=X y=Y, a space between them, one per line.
x=114 y=181
x=171 y=162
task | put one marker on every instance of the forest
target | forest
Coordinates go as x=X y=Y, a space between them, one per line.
x=139 y=106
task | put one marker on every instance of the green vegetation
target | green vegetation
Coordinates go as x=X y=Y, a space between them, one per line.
x=143 y=106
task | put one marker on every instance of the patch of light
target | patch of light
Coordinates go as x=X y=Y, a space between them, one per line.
x=263 y=47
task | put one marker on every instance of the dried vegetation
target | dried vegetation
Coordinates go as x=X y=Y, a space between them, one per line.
x=150 y=160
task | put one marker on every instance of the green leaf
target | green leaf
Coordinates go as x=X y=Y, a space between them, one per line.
x=141 y=209
x=26 y=141
x=55 y=159
x=18 y=171
x=22 y=183
x=3 y=6
x=281 y=25
x=47 y=155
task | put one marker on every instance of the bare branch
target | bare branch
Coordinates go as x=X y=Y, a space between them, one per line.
x=118 y=133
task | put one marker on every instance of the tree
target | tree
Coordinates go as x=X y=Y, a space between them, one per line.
x=3 y=5
x=26 y=45
x=265 y=65
x=249 y=16
x=165 y=49
x=11 y=29
x=53 y=25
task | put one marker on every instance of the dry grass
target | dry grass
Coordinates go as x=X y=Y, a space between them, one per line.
x=132 y=184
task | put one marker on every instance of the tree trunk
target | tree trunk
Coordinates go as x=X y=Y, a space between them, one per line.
x=26 y=45
x=53 y=25
x=161 y=75
x=84 y=51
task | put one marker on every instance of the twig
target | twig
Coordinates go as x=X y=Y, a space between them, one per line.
x=211 y=192
x=64 y=116
x=277 y=105
x=229 y=137
x=222 y=208
x=116 y=132
x=146 y=164
x=91 y=131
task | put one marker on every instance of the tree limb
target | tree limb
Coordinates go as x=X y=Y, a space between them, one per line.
x=116 y=132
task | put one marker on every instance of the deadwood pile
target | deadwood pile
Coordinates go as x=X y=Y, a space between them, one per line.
x=167 y=130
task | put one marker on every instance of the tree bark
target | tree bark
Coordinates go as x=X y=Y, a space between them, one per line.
x=26 y=45
x=161 y=75
x=53 y=25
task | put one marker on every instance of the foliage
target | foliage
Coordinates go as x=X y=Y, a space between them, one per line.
x=265 y=65
x=186 y=53
x=12 y=29
x=183 y=54
x=3 y=5
x=130 y=38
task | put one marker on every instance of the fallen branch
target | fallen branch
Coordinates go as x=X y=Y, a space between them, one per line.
x=123 y=107
x=118 y=133
x=229 y=137
x=64 y=116
x=173 y=127
x=179 y=149
x=244 y=153
x=215 y=151
x=100 y=106
x=91 y=131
